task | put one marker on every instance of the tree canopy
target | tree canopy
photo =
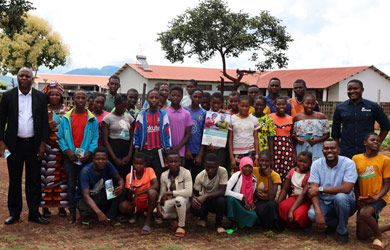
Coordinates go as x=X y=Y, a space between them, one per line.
x=34 y=46
x=12 y=13
x=212 y=28
x=3 y=85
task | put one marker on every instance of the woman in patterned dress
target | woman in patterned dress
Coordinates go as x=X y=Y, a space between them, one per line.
x=311 y=128
x=284 y=151
x=53 y=178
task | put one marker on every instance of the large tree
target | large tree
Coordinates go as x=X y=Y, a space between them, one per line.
x=34 y=46
x=12 y=13
x=212 y=28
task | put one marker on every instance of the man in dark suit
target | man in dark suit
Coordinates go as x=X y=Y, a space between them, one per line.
x=24 y=131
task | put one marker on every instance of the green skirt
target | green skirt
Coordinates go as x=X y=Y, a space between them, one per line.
x=237 y=212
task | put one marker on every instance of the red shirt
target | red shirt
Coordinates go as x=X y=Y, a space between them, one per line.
x=78 y=123
x=153 y=130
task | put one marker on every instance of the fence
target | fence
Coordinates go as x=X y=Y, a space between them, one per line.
x=328 y=108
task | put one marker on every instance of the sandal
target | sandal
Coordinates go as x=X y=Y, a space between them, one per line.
x=231 y=231
x=221 y=231
x=378 y=244
x=46 y=212
x=72 y=219
x=146 y=230
x=201 y=223
x=61 y=212
x=180 y=232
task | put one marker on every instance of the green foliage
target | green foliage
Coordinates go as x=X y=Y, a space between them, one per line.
x=212 y=28
x=3 y=85
x=34 y=46
x=12 y=13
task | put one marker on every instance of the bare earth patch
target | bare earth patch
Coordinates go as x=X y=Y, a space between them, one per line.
x=60 y=235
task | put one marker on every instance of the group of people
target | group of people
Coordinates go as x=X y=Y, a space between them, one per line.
x=108 y=159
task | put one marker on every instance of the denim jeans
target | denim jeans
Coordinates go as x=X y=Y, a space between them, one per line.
x=336 y=212
x=72 y=172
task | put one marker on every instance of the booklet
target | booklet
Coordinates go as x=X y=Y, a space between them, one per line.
x=109 y=189
x=79 y=152
x=216 y=129
x=6 y=154
x=308 y=136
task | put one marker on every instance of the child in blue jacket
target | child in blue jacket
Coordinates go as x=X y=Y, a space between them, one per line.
x=78 y=132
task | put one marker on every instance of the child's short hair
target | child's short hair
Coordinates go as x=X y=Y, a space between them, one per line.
x=194 y=82
x=244 y=98
x=280 y=98
x=253 y=86
x=217 y=95
x=140 y=155
x=234 y=93
x=211 y=157
x=260 y=97
x=300 y=81
x=132 y=91
x=266 y=153
x=176 y=88
x=370 y=134
x=309 y=95
x=151 y=91
x=96 y=95
x=307 y=154
x=100 y=150
x=207 y=95
x=173 y=152
x=120 y=99
x=196 y=89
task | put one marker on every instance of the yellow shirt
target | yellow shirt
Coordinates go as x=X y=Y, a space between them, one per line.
x=371 y=172
x=265 y=111
x=262 y=183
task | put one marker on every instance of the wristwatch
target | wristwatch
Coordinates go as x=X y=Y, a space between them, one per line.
x=321 y=189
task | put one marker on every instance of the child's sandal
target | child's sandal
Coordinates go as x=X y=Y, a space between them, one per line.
x=180 y=232
x=221 y=231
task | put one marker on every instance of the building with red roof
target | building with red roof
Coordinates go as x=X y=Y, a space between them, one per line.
x=327 y=84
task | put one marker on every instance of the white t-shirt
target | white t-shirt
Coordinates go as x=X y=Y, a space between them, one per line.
x=243 y=128
x=118 y=126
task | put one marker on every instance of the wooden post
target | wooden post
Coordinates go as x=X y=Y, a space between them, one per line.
x=222 y=89
x=143 y=95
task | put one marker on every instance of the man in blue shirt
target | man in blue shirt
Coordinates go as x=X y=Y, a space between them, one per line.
x=274 y=87
x=332 y=178
x=91 y=194
x=355 y=118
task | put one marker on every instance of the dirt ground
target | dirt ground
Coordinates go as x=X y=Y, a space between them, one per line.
x=60 y=235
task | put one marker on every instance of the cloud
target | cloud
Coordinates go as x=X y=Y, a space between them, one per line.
x=326 y=33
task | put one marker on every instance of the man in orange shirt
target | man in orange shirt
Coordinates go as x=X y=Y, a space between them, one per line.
x=297 y=101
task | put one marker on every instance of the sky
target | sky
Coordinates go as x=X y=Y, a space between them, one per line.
x=326 y=33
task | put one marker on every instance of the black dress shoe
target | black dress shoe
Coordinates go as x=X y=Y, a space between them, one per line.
x=11 y=220
x=39 y=220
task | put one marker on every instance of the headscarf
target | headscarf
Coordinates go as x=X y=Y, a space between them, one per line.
x=247 y=183
x=53 y=86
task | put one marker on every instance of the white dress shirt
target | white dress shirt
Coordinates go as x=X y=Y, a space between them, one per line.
x=25 y=118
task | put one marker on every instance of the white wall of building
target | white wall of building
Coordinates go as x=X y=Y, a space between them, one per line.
x=372 y=82
x=131 y=79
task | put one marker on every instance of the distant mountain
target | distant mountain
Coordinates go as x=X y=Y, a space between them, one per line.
x=104 y=71
x=8 y=80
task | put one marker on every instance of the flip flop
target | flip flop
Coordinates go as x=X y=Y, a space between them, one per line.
x=378 y=244
x=146 y=230
x=180 y=232
x=231 y=231
x=221 y=231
